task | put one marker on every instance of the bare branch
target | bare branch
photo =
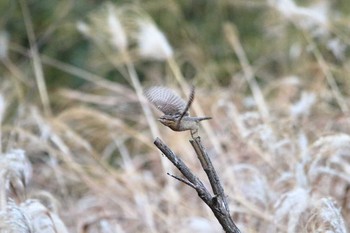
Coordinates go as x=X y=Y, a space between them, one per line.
x=209 y=169
x=202 y=191
x=218 y=203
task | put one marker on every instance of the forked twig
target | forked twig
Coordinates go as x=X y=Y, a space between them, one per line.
x=217 y=202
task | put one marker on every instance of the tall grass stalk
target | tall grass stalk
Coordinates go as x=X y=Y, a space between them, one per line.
x=328 y=74
x=233 y=39
x=38 y=69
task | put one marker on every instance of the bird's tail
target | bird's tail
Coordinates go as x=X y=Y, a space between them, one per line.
x=203 y=118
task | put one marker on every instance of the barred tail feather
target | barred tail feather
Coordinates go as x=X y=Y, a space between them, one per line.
x=203 y=118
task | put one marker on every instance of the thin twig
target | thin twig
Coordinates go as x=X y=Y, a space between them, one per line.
x=182 y=180
x=202 y=191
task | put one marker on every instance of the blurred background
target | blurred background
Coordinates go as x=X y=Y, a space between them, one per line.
x=77 y=133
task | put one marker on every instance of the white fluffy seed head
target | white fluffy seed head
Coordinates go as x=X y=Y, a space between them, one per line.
x=118 y=36
x=17 y=166
x=83 y=28
x=42 y=219
x=152 y=42
x=304 y=105
x=314 y=18
x=14 y=219
x=105 y=27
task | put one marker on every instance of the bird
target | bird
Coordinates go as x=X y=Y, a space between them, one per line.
x=175 y=109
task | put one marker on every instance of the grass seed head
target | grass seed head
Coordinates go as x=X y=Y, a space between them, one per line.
x=152 y=42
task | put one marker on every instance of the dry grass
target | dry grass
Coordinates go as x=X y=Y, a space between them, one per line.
x=82 y=160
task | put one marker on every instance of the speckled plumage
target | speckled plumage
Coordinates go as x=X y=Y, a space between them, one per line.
x=175 y=109
x=166 y=100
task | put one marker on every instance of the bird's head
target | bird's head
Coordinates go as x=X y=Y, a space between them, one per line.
x=169 y=121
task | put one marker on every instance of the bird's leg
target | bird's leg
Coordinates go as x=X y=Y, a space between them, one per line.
x=194 y=133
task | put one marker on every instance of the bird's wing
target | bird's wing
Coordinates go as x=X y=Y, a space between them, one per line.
x=188 y=105
x=166 y=100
